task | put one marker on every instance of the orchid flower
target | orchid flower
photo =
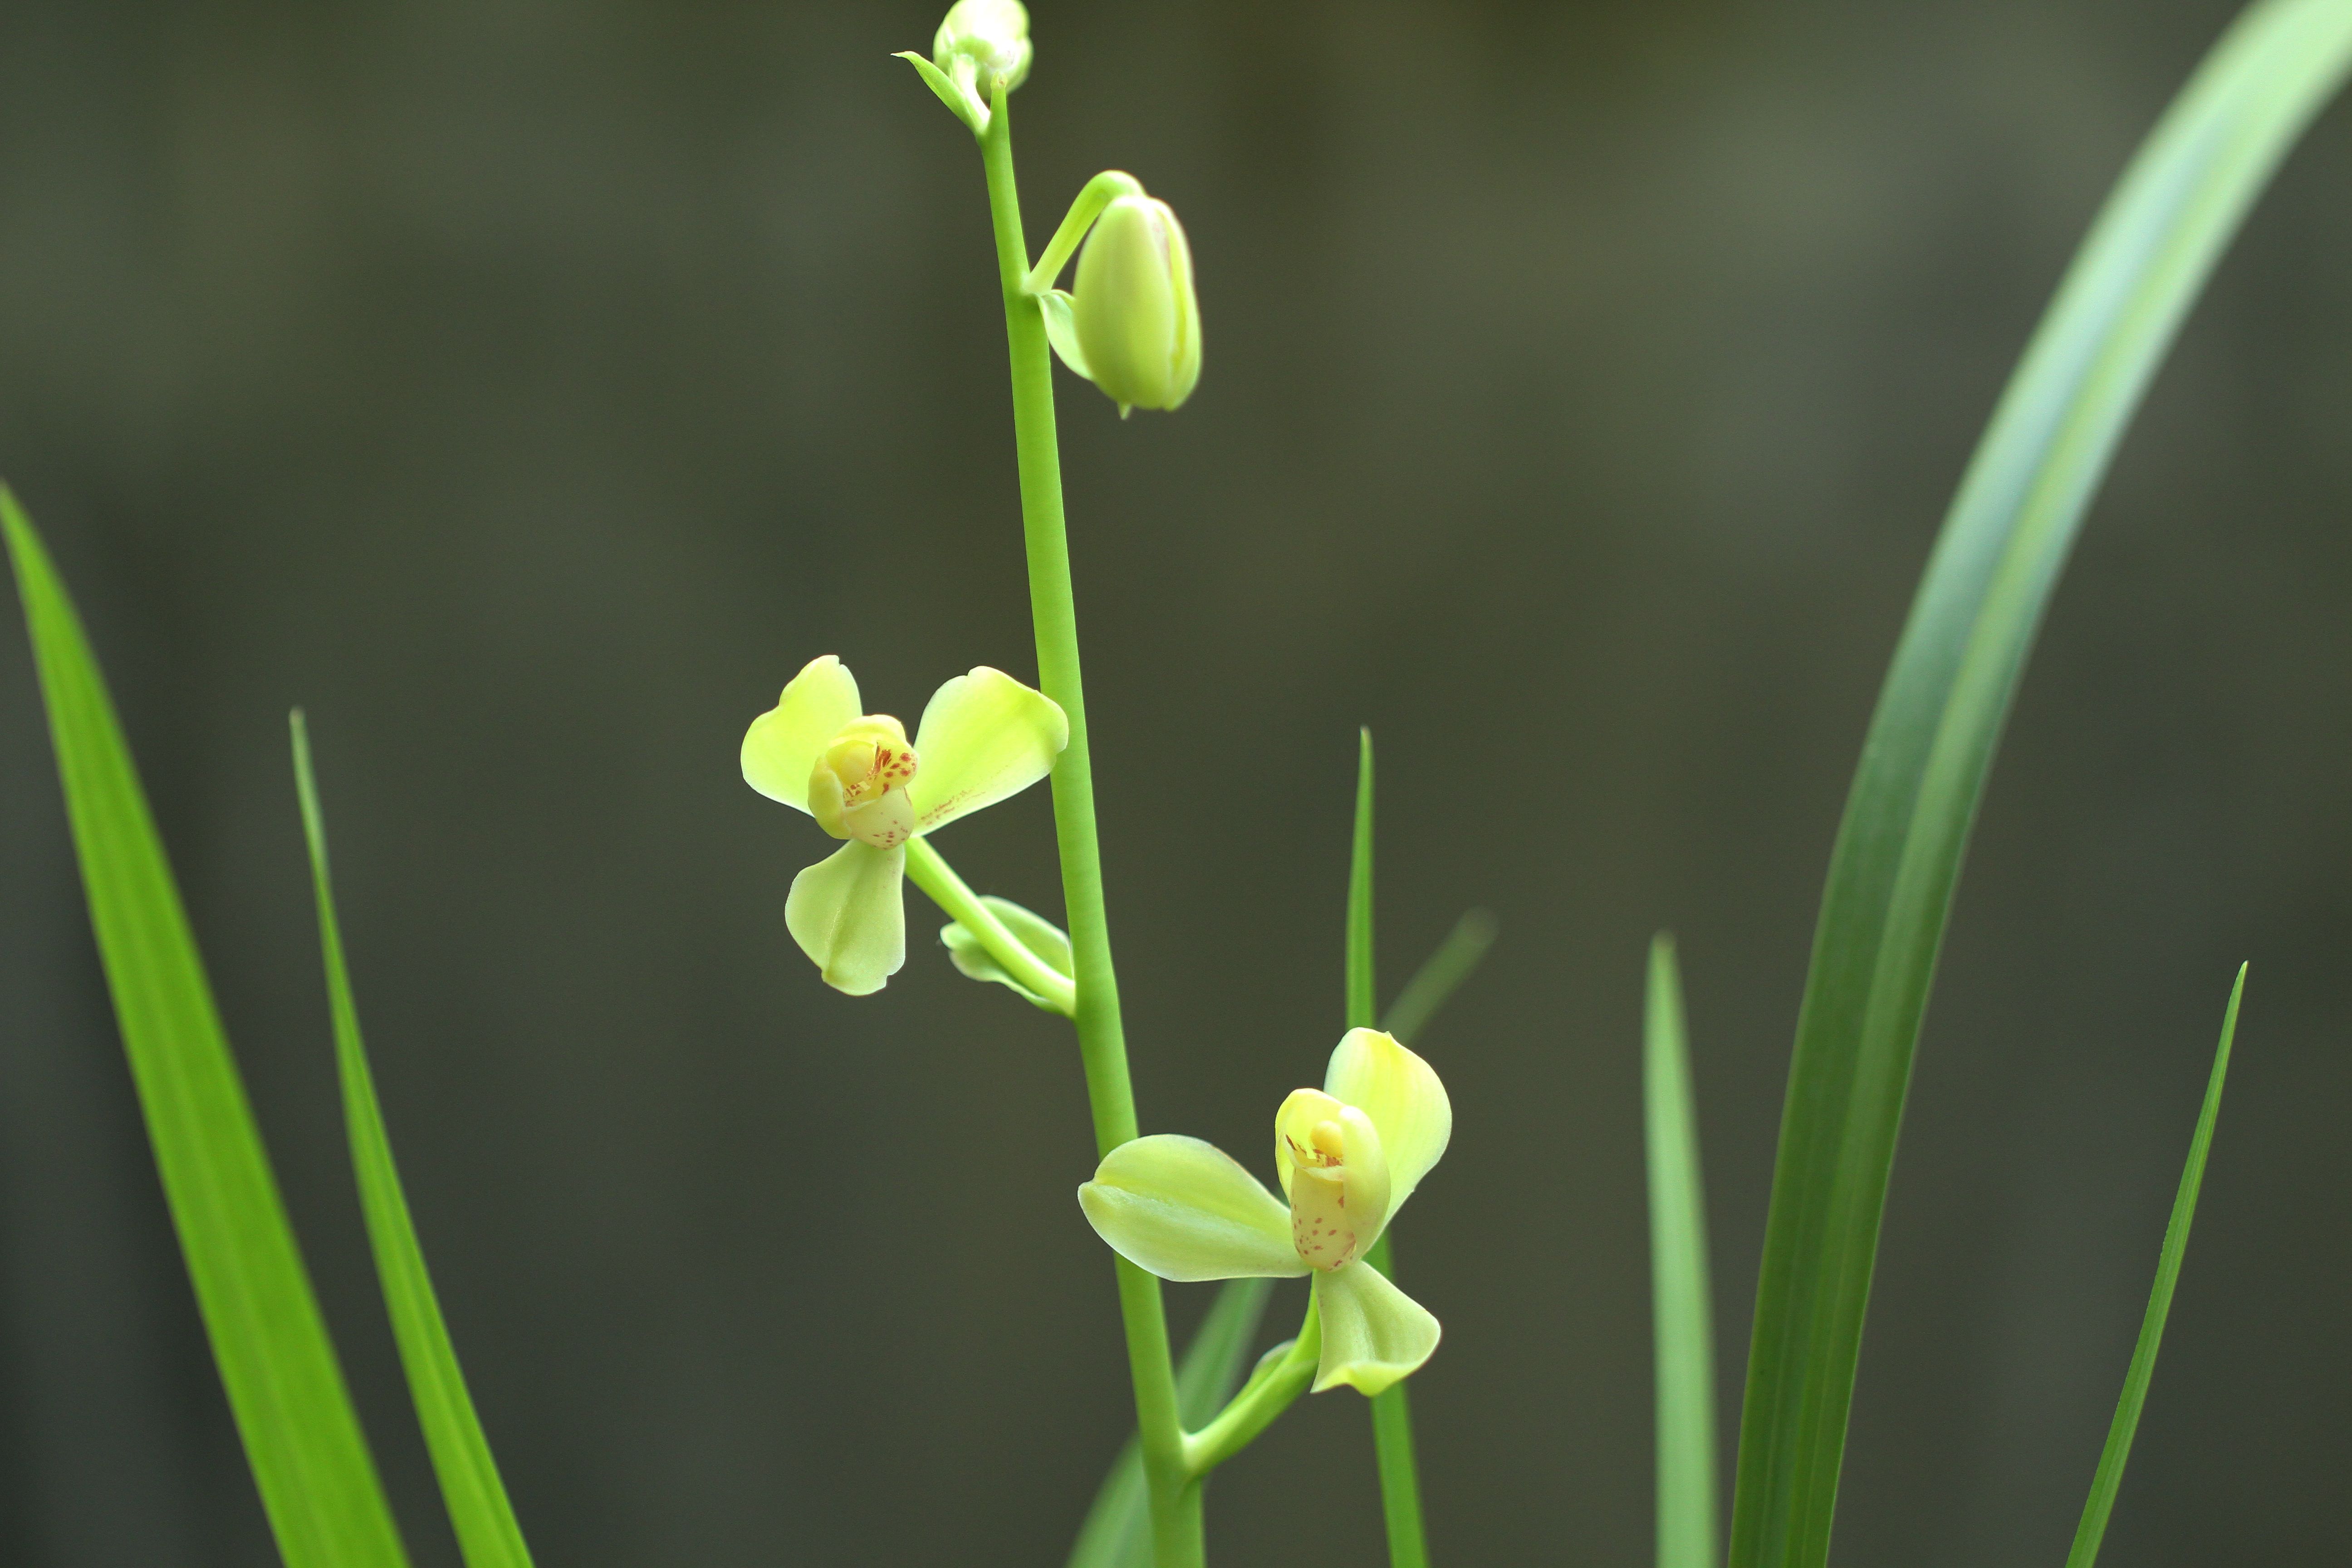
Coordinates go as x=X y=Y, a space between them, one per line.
x=983 y=736
x=1348 y=1155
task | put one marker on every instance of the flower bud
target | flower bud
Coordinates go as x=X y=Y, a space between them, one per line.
x=1136 y=320
x=985 y=43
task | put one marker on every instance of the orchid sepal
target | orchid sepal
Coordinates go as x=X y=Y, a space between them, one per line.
x=848 y=915
x=1185 y=1210
x=1374 y=1335
x=983 y=736
x=1404 y=1098
x=782 y=745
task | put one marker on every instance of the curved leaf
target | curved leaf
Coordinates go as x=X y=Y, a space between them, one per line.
x=1940 y=716
x=477 y=1498
x=309 y=1459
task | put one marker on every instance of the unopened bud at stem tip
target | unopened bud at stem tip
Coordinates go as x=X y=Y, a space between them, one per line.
x=984 y=44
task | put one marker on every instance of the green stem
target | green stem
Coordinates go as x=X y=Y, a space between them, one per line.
x=1253 y=1410
x=929 y=871
x=1391 y=1409
x=1098 y=193
x=1176 y=1525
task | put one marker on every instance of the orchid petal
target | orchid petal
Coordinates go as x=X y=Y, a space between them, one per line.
x=982 y=737
x=1184 y=1209
x=848 y=916
x=1401 y=1094
x=781 y=749
x=1374 y=1333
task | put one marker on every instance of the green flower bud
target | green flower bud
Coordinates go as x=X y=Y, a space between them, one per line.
x=984 y=43
x=1137 y=321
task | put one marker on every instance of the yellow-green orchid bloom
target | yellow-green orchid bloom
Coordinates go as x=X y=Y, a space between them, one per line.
x=1348 y=1155
x=983 y=736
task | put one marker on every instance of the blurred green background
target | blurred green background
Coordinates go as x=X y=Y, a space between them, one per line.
x=529 y=388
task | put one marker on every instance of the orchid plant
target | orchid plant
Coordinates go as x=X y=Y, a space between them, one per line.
x=1347 y=1156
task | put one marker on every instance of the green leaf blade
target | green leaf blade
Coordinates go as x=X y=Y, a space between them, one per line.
x=1392 y=1450
x=1680 y=1309
x=1434 y=983
x=309 y=1459
x=1363 y=1007
x=2109 y=1476
x=476 y=1496
x=1931 y=741
x=1393 y=1447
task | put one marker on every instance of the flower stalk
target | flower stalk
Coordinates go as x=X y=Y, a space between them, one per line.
x=1176 y=1523
x=1253 y=1410
x=1096 y=195
x=929 y=870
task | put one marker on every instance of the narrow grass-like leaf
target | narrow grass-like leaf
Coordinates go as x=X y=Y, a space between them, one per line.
x=1940 y=716
x=1683 y=1339
x=1363 y=990
x=477 y=1498
x=1435 y=983
x=309 y=1459
x=1118 y=1529
x=1393 y=1407
x=2110 y=1473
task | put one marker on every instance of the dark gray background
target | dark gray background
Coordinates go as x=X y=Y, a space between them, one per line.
x=527 y=388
